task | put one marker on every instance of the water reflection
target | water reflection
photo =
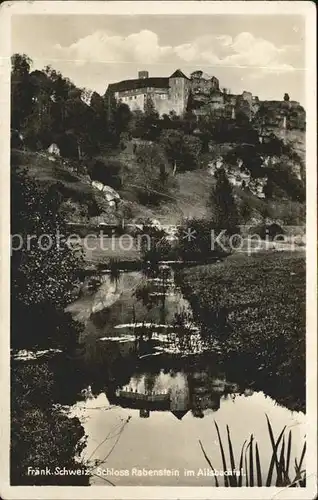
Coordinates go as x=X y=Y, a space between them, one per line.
x=169 y=439
x=143 y=356
x=176 y=391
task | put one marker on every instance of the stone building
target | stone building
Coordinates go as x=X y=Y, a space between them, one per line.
x=166 y=93
x=202 y=94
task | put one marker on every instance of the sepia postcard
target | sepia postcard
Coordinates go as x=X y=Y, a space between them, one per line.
x=158 y=250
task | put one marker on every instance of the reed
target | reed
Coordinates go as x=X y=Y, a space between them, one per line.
x=279 y=472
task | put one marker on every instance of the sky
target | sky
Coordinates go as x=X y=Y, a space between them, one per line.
x=264 y=54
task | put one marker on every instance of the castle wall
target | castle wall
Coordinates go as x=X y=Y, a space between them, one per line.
x=134 y=102
x=136 y=98
x=163 y=105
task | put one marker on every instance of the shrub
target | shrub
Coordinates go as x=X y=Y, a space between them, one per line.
x=107 y=171
x=156 y=247
x=41 y=436
x=194 y=241
x=182 y=150
x=268 y=231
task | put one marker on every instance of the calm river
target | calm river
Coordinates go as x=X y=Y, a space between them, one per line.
x=147 y=388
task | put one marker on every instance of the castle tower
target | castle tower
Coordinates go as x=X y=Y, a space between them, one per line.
x=143 y=75
x=179 y=91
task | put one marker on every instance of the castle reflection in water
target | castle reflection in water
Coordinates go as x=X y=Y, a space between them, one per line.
x=177 y=392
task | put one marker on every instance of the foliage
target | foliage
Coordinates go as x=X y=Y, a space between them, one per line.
x=182 y=150
x=122 y=117
x=222 y=204
x=150 y=121
x=151 y=176
x=224 y=130
x=73 y=211
x=194 y=241
x=251 y=464
x=44 y=268
x=155 y=247
x=41 y=435
x=269 y=231
x=48 y=108
x=283 y=183
x=43 y=277
x=108 y=171
x=35 y=213
x=21 y=90
x=263 y=298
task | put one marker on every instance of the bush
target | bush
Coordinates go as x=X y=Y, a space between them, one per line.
x=41 y=436
x=156 y=247
x=182 y=150
x=269 y=231
x=195 y=241
x=108 y=171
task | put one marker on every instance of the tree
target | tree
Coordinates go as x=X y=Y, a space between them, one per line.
x=44 y=269
x=122 y=118
x=151 y=121
x=222 y=204
x=39 y=125
x=99 y=120
x=245 y=210
x=188 y=122
x=41 y=435
x=152 y=175
x=44 y=272
x=146 y=124
x=21 y=90
x=190 y=152
x=182 y=150
x=79 y=122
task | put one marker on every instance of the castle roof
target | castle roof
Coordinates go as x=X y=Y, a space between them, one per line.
x=178 y=74
x=157 y=82
x=139 y=83
x=179 y=413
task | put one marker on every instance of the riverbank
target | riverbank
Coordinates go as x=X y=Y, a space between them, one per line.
x=255 y=305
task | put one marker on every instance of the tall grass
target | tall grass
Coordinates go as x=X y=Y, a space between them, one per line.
x=279 y=471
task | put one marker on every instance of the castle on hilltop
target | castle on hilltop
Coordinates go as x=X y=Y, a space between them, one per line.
x=173 y=93
x=201 y=93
